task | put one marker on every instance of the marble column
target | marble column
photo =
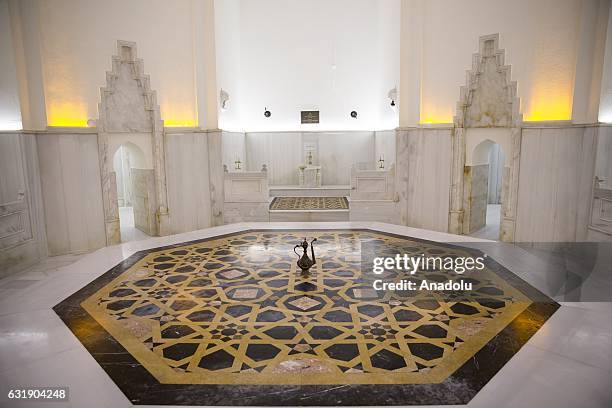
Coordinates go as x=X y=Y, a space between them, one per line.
x=510 y=188
x=455 y=220
x=401 y=174
x=215 y=172
x=109 y=191
x=159 y=167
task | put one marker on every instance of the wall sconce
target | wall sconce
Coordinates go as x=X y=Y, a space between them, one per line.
x=267 y=113
x=354 y=114
x=392 y=95
x=224 y=100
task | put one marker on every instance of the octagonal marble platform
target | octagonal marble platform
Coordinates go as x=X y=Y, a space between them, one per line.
x=228 y=320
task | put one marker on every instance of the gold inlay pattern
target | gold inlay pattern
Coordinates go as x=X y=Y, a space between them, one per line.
x=234 y=310
x=309 y=203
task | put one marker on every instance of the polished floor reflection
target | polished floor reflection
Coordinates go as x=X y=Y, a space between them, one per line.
x=209 y=315
x=567 y=363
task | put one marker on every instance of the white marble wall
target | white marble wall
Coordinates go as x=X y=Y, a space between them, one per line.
x=188 y=181
x=497 y=160
x=233 y=147
x=339 y=151
x=555 y=184
x=70 y=179
x=603 y=165
x=335 y=152
x=281 y=151
x=475 y=191
x=144 y=200
x=385 y=147
x=424 y=177
x=22 y=229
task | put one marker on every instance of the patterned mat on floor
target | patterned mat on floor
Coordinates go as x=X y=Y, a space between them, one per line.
x=309 y=203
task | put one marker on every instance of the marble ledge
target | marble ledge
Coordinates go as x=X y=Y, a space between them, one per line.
x=180 y=130
x=131 y=247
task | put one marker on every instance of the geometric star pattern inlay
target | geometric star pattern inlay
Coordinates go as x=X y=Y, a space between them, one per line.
x=206 y=314
x=235 y=310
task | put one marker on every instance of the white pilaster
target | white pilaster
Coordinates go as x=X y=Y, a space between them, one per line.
x=411 y=61
x=25 y=28
x=591 y=44
x=204 y=60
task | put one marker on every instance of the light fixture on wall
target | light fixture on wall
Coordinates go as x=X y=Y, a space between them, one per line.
x=224 y=100
x=392 y=95
x=354 y=114
x=267 y=113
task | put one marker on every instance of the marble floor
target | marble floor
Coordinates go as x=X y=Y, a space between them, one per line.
x=567 y=363
x=128 y=230
x=491 y=230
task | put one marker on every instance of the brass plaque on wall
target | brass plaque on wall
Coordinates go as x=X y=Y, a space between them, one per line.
x=310 y=117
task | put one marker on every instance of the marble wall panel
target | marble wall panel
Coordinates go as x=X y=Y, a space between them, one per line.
x=475 y=191
x=339 y=151
x=144 y=200
x=280 y=151
x=385 y=147
x=335 y=152
x=233 y=147
x=555 y=184
x=245 y=212
x=603 y=166
x=72 y=195
x=20 y=185
x=187 y=172
x=381 y=211
x=424 y=177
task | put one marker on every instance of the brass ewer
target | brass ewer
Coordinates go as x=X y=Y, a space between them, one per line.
x=304 y=262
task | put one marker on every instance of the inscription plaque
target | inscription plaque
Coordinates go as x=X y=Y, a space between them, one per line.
x=310 y=117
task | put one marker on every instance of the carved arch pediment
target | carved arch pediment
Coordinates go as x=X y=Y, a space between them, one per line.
x=489 y=98
x=127 y=103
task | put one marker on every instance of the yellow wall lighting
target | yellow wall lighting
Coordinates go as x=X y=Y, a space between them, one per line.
x=178 y=115
x=550 y=95
x=172 y=122
x=436 y=113
x=66 y=115
x=555 y=105
x=73 y=115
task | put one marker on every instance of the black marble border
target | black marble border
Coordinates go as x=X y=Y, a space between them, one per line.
x=142 y=388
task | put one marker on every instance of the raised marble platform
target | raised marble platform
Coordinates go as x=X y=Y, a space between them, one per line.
x=308 y=209
x=222 y=317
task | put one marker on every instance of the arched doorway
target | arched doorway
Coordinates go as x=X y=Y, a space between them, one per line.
x=128 y=90
x=128 y=158
x=484 y=173
x=489 y=107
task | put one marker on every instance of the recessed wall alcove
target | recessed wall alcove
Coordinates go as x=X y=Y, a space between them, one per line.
x=487 y=113
x=129 y=114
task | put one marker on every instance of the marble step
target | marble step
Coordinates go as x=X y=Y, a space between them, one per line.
x=323 y=191
x=309 y=216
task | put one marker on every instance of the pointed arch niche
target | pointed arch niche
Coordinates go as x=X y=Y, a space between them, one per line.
x=128 y=110
x=488 y=109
